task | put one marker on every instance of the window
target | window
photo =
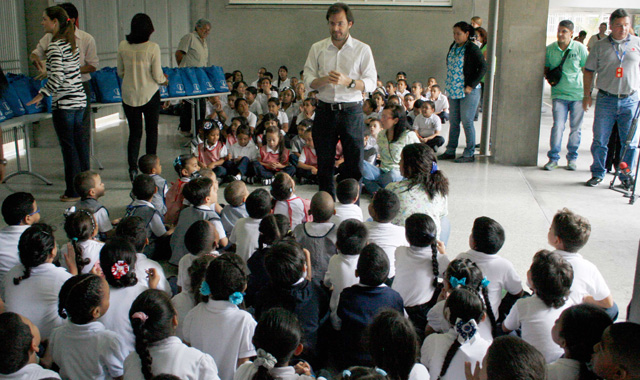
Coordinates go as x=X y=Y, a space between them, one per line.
x=415 y=3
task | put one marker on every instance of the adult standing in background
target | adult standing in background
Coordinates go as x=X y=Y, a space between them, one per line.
x=616 y=61
x=139 y=66
x=88 y=57
x=602 y=33
x=192 y=52
x=340 y=68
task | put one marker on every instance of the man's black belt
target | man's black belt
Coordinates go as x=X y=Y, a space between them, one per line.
x=338 y=106
x=619 y=96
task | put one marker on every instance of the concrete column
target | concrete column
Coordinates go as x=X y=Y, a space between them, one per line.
x=518 y=82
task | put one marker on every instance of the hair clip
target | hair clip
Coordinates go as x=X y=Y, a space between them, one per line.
x=455 y=282
x=119 y=268
x=236 y=298
x=69 y=211
x=466 y=330
x=205 y=290
x=177 y=162
x=434 y=167
x=346 y=373
x=381 y=371
x=485 y=282
x=207 y=125
x=74 y=239
x=140 y=315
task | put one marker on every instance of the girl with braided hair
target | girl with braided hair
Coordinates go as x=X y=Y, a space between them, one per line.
x=81 y=230
x=158 y=350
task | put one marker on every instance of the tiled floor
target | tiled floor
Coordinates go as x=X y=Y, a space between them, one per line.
x=522 y=199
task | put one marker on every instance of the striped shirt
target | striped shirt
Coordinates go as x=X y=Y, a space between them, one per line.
x=65 y=83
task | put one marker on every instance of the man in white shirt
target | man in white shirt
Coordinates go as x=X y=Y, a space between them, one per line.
x=602 y=33
x=340 y=68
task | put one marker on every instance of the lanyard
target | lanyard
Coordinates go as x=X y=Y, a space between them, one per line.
x=616 y=51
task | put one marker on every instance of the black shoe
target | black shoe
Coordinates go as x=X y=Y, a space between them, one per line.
x=463 y=159
x=593 y=182
x=133 y=173
x=447 y=156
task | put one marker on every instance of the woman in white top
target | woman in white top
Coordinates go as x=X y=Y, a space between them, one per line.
x=81 y=228
x=31 y=288
x=158 y=350
x=139 y=66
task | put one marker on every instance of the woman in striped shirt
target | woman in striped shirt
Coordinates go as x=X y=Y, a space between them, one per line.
x=68 y=102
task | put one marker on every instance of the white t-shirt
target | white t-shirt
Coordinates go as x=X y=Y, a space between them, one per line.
x=252 y=119
x=414 y=274
x=90 y=250
x=292 y=208
x=250 y=150
x=563 y=369
x=437 y=321
x=587 y=279
x=86 y=351
x=9 y=258
x=30 y=372
x=341 y=274
x=245 y=236
x=282 y=117
x=36 y=297
x=536 y=320
x=223 y=331
x=184 y=280
x=442 y=103
x=247 y=371
x=419 y=372
x=344 y=212
x=389 y=237
x=183 y=302
x=499 y=271
x=102 y=220
x=255 y=107
x=143 y=263
x=171 y=356
x=117 y=317
x=435 y=348
x=427 y=126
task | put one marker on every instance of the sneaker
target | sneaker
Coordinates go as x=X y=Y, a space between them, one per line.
x=267 y=181
x=571 y=165
x=593 y=182
x=447 y=156
x=237 y=177
x=249 y=180
x=551 y=165
x=463 y=159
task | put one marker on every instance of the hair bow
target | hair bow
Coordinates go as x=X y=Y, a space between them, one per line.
x=265 y=359
x=346 y=373
x=485 y=282
x=381 y=371
x=236 y=298
x=207 y=125
x=455 y=282
x=466 y=330
x=74 y=239
x=119 y=268
x=177 y=162
x=140 y=315
x=205 y=290
x=434 y=167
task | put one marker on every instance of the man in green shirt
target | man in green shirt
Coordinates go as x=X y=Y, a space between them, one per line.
x=567 y=94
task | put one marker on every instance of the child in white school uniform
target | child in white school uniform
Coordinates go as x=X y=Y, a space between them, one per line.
x=245 y=233
x=550 y=278
x=31 y=288
x=217 y=326
x=81 y=230
x=241 y=155
x=150 y=164
x=348 y=193
x=287 y=202
x=577 y=330
x=441 y=103
x=254 y=106
x=185 y=165
x=200 y=240
x=341 y=273
x=83 y=348
x=384 y=206
x=278 y=337
x=266 y=93
x=235 y=194
x=20 y=344
x=158 y=350
x=427 y=126
x=274 y=108
x=242 y=110
x=445 y=354
x=118 y=263
x=508 y=358
x=212 y=152
x=419 y=269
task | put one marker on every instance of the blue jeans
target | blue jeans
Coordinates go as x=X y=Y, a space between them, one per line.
x=241 y=167
x=74 y=143
x=610 y=109
x=561 y=109
x=463 y=110
x=375 y=178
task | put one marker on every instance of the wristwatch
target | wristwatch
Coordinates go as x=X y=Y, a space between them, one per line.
x=352 y=84
x=3 y=161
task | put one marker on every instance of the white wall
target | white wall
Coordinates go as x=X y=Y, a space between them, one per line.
x=13 y=57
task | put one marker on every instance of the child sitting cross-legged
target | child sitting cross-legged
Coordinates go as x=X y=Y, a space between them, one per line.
x=212 y=153
x=307 y=167
x=428 y=126
x=287 y=202
x=274 y=157
x=241 y=155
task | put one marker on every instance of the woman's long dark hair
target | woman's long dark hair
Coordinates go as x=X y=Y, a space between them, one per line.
x=465 y=27
x=418 y=161
x=66 y=29
x=397 y=112
x=141 y=29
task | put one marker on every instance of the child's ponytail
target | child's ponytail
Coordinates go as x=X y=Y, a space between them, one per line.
x=487 y=302
x=273 y=228
x=34 y=247
x=79 y=227
x=79 y=296
x=277 y=336
x=421 y=232
x=282 y=157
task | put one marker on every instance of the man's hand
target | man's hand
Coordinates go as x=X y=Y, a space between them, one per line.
x=468 y=89
x=586 y=103
x=336 y=77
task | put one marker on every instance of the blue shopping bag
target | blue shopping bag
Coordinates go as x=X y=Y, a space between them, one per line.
x=107 y=85
x=216 y=74
x=205 y=82
x=25 y=91
x=176 y=86
x=190 y=80
x=93 y=98
x=11 y=97
x=7 y=113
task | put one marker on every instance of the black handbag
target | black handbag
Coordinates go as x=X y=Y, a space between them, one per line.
x=554 y=75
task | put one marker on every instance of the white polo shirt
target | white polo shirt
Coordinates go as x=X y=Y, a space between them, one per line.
x=143 y=263
x=389 y=237
x=437 y=321
x=441 y=103
x=250 y=151
x=247 y=371
x=341 y=274
x=245 y=236
x=435 y=348
x=117 y=317
x=563 y=369
x=414 y=274
x=183 y=302
x=90 y=250
x=292 y=208
x=344 y=212
x=30 y=372
x=9 y=258
x=223 y=331
x=587 y=279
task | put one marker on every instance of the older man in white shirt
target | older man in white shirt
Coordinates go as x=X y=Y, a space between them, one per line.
x=340 y=68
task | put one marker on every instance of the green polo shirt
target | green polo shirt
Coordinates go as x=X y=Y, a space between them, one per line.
x=570 y=86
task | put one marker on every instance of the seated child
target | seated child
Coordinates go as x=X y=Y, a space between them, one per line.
x=297 y=142
x=217 y=326
x=20 y=344
x=133 y=229
x=31 y=288
x=83 y=348
x=348 y=193
x=235 y=194
x=19 y=211
x=229 y=108
x=81 y=230
x=242 y=110
x=409 y=106
x=550 y=278
x=416 y=91
x=188 y=299
x=274 y=108
x=319 y=235
x=159 y=350
x=187 y=167
x=144 y=188
x=394 y=99
x=245 y=233
x=445 y=354
x=150 y=164
x=616 y=356
x=230 y=132
x=430 y=83
x=202 y=194
x=90 y=187
x=267 y=120
x=274 y=157
x=369 y=109
x=278 y=336
x=287 y=96
x=351 y=239
x=214 y=108
x=200 y=240
x=508 y=358
x=371 y=153
x=391 y=88
x=212 y=153
x=383 y=208
x=441 y=103
x=250 y=95
x=266 y=93
x=308 y=110
x=427 y=126
x=360 y=303
x=307 y=167
x=487 y=237
x=241 y=155
x=286 y=202
x=568 y=233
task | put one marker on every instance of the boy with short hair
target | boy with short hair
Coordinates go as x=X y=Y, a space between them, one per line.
x=150 y=164
x=384 y=206
x=390 y=87
x=19 y=211
x=235 y=194
x=402 y=91
x=90 y=187
x=250 y=94
x=348 y=193
x=427 y=126
x=616 y=356
x=307 y=167
x=441 y=103
x=245 y=233
x=416 y=90
x=568 y=233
